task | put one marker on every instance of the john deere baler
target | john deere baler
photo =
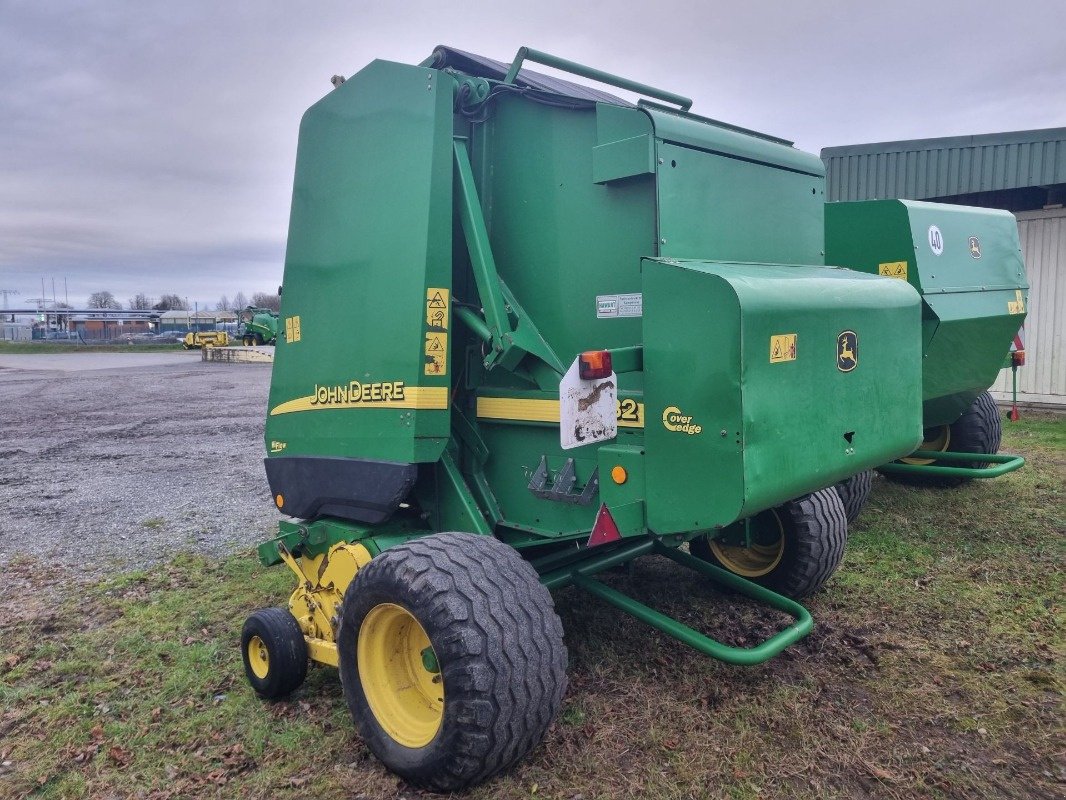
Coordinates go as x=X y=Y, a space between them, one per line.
x=578 y=331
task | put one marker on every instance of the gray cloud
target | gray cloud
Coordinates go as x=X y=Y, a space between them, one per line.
x=150 y=146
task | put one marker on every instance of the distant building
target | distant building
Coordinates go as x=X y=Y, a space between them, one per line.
x=16 y=331
x=1023 y=172
x=87 y=327
x=197 y=320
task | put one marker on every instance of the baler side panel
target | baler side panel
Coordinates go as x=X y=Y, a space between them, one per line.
x=559 y=239
x=368 y=267
x=747 y=401
x=974 y=289
x=718 y=207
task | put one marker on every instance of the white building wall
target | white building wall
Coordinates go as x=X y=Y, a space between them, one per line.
x=1043 y=378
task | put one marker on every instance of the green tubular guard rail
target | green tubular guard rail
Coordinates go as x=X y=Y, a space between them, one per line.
x=529 y=54
x=579 y=575
x=1005 y=463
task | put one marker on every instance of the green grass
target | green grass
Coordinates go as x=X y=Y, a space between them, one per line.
x=42 y=347
x=935 y=670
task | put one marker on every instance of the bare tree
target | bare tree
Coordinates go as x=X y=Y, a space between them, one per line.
x=239 y=301
x=170 y=302
x=222 y=304
x=103 y=300
x=264 y=300
x=141 y=302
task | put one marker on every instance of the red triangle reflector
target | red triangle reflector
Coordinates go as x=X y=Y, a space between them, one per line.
x=604 y=530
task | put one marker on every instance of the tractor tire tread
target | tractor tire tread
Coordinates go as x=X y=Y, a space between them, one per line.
x=820 y=533
x=816 y=535
x=978 y=430
x=498 y=640
x=854 y=492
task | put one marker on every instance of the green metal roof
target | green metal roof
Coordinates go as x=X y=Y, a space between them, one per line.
x=924 y=168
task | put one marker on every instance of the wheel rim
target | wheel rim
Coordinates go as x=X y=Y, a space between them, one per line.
x=762 y=556
x=935 y=439
x=258 y=657
x=400 y=676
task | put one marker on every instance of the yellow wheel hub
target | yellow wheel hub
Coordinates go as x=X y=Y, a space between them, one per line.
x=936 y=439
x=258 y=657
x=399 y=675
x=753 y=561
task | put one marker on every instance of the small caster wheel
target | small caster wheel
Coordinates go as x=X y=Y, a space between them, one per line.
x=274 y=652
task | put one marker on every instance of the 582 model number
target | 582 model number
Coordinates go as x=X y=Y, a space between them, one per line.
x=629 y=411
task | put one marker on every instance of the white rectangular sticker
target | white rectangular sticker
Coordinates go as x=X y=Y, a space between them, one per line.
x=587 y=409
x=619 y=305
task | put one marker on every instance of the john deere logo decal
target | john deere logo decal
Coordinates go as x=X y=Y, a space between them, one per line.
x=975 y=247
x=847 y=351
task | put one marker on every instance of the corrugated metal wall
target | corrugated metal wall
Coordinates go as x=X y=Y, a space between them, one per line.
x=1043 y=378
x=945 y=167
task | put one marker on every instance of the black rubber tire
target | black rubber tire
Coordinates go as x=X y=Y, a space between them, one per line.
x=257 y=340
x=497 y=639
x=816 y=532
x=978 y=430
x=286 y=647
x=247 y=341
x=854 y=492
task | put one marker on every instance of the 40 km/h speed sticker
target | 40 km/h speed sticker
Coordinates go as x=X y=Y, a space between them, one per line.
x=936 y=240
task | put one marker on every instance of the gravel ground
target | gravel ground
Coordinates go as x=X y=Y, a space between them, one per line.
x=106 y=467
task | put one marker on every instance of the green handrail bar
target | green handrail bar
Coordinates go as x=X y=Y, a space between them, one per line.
x=1005 y=463
x=588 y=561
x=580 y=575
x=536 y=56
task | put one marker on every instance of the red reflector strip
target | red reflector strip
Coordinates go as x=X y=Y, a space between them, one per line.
x=594 y=365
x=604 y=530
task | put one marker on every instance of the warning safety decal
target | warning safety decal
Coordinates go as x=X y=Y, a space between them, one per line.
x=292 y=329
x=436 y=347
x=893 y=269
x=782 y=348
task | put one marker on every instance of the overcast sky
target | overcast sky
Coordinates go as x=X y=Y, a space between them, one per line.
x=149 y=146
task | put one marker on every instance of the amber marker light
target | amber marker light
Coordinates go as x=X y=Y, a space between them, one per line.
x=619 y=474
x=594 y=365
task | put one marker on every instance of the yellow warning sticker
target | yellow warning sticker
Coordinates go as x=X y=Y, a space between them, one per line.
x=1017 y=305
x=437 y=313
x=437 y=308
x=292 y=329
x=436 y=353
x=893 y=269
x=782 y=348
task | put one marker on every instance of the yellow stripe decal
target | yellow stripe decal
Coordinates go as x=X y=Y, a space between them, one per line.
x=420 y=397
x=525 y=410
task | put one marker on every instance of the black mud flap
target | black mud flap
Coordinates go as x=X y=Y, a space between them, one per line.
x=348 y=488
